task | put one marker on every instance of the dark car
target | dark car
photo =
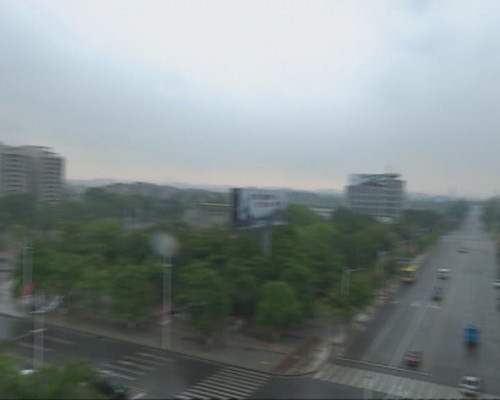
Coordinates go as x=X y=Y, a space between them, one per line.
x=111 y=387
x=462 y=250
x=437 y=293
x=413 y=358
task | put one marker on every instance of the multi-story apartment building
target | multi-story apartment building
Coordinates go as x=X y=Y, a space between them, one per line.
x=13 y=176
x=378 y=195
x=35 y=170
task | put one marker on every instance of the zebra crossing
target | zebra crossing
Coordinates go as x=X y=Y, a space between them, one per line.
x=131 y=367
x=389 y=384
x=226 y=383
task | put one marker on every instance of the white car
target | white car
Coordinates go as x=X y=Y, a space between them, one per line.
x=470 y=385
x=496 y=283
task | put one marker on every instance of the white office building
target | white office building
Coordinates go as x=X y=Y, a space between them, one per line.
x=378 y=195
x=35 y=170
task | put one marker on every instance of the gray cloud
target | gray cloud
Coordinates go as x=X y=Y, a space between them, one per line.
x=425 y=105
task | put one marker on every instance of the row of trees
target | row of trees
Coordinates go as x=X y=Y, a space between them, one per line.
x=22 y=211
x=491 y=220
x=101 y=267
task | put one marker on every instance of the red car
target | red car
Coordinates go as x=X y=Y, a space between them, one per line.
x=413 y=358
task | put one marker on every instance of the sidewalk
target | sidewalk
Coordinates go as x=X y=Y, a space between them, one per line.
x=297 y=352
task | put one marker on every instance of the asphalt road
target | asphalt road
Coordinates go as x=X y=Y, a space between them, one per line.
x=412 y=321
x=151 y=373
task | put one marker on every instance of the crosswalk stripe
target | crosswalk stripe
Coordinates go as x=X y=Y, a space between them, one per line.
x=342 y=375
x=194 y=394
x=203 y=393
x=352 y=377
x=387 y=383
x=230 y=390
x=182 y=397
x=130 y=371
x=140 y=360
x=134 y=364
x=433 y=389
x=236 y=382
x=217 y=392
x=326 y=373
x=245 y=372
x=227 y=371
x=154 y=356
x=227 y=383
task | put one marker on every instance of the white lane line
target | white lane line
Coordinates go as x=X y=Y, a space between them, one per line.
x=141 y=360
x=120 y=368
x=58 y=340
x=410 y=333
x=32 y=346
x=139 y=396
x=118 y=375
x=134 y=364
x=382 y=334
x=207 y=392
x=154 y=356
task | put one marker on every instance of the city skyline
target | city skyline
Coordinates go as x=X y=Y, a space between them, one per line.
x=274 y=94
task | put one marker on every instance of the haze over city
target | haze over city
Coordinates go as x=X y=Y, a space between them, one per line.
x=284 y=93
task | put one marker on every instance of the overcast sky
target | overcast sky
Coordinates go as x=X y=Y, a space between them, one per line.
x=258 y=93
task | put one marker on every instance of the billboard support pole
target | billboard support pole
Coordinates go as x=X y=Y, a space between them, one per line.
x=266 y=241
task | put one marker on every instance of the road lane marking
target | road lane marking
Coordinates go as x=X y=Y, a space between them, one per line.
x=160 y=358
x=114 y=373
x=32 y=346
x=130 y=371
x=58 y=340
x=381 y=336
x=141 y=360
x=134 y=364
x=410 y=333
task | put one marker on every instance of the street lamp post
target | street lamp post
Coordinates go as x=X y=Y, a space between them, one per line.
x=346 y=278
x=165 y=246
x=167 y=304
x=39 y=322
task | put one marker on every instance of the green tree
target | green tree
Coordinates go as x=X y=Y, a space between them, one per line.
x=70 y=381
x=300 y=280
x=132 y=293
x=278 y=305
x=206 y=295
x=297 y=214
